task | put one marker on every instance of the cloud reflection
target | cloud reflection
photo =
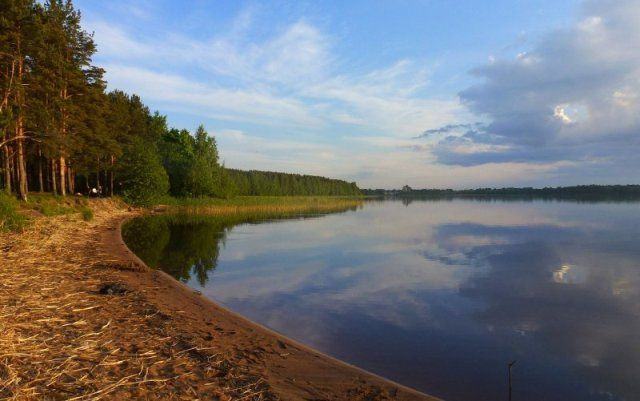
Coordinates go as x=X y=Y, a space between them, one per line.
x=444 y=291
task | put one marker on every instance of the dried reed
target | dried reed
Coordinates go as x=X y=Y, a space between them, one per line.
x=61 y=339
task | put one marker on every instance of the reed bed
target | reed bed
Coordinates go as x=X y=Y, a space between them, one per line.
x=267 y=206
x=62 y=338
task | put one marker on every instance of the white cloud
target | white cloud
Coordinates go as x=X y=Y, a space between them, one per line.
x=293 y=70
x=548 y=109
x=576 y=86
x=179 y=93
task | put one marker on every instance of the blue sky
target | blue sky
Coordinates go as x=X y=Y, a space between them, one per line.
x=428 y=93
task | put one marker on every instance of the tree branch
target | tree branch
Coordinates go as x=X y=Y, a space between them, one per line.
x=16 y=138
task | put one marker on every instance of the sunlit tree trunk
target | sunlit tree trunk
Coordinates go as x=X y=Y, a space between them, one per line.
x=22 y=167
x=19 y=132
x=63 y=176
x=63 y=134
x=54 y=172
x=71 y=183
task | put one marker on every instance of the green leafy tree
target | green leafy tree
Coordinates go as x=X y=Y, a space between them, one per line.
x=142 y=178
x=176 y=149
x=203 y=177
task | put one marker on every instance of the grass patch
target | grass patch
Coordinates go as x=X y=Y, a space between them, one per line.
x=51 y=205
x=55 y=205
x=10 y=218
x=87 y=213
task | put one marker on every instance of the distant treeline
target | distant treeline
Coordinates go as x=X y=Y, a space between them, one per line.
x=62 y=132
x=571 y=192
x=271 y=183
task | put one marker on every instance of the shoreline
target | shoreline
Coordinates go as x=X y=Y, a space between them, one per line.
x=84 y=318
x=211 y=308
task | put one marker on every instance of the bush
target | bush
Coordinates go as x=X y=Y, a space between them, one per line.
x=10 y=219
x=87 y=213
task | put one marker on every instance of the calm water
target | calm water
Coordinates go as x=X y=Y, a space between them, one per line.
x=438 y=295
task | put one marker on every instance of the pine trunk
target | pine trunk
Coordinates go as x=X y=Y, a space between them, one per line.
x=22 y=167
x=98 y=175
x=14 y=170
x=71 y=183
x=111 y=176
x=6 y=149
x=63 y=176
x=47 y=174
x=54 y=172
x=40 y=177
x=7 y=169
x=63 y=133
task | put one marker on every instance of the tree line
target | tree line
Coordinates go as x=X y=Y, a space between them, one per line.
x=578 y=192
x=282 y=184
x=62 y=132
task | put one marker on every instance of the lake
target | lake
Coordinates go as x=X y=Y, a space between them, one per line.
x=437 y=295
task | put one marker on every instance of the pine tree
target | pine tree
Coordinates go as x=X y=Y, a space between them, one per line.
x=67 y=80
x=16 y=21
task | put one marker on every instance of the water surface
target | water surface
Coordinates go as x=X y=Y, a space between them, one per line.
x=437 y=295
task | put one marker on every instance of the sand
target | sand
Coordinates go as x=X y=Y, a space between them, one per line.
x=82 y=318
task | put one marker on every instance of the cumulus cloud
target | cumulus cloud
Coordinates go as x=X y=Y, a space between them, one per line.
x=573 y=97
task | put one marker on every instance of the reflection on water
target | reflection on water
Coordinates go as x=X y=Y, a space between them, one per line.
x=438 y=295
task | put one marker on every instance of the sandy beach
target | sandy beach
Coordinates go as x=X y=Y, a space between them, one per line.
x=83 y=318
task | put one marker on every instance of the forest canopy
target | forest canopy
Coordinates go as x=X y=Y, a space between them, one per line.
x=62 y=132
x=269 y=183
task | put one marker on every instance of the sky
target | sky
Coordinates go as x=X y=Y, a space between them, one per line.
x=429 y=93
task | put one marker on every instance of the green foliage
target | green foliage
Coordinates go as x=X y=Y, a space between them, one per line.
x=176 y=151
x=202 y=178
x=87 y=213
x=227 y=188
x=193 y=166
x=10 y=218
x=267 y=183
x=143 y=178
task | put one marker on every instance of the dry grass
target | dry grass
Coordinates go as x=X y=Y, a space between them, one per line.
x=60 y=338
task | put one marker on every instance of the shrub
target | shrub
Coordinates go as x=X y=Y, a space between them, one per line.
x=87 y=213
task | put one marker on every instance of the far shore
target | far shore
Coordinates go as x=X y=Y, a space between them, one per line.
x=85 y=317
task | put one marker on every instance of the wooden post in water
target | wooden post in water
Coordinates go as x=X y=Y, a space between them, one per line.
x=510 y=366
